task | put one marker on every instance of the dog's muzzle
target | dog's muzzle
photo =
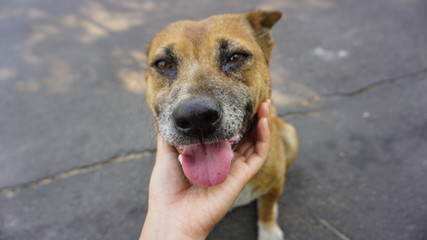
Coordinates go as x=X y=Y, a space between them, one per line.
x=205 y=162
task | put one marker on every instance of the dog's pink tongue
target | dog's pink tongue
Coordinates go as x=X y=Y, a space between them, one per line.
x=207 y=164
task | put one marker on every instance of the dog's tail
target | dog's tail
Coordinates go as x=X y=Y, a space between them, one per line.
x=290 y=139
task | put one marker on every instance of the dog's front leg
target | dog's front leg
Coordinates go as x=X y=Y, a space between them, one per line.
x=268 y=228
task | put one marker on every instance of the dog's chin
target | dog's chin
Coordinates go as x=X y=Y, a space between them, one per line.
x=208 y=164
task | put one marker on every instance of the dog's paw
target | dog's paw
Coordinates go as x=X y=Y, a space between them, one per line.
x=269 y=232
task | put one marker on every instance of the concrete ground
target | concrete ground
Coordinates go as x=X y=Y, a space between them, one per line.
x=77 y=139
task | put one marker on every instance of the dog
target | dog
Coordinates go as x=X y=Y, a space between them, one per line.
x=205 y=81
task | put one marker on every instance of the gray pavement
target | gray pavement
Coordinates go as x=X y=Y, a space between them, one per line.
x=77 y=139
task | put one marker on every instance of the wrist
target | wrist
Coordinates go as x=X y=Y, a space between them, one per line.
x=158 y=227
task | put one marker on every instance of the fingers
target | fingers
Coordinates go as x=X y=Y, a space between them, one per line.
x=264 y=110
x=263 y=131
x=246 y=148
x=262 y=146
x=263 y=142
x=254 y=152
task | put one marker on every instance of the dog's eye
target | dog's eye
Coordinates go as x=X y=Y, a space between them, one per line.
x=234 y=61
x=237 y=58
x=163 y=65
x=166 y=68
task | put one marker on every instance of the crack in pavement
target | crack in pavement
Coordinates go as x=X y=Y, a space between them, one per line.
x=364 y=89
x=384 y=82
x=332 y=229
x=299 y=114
x=10 y=192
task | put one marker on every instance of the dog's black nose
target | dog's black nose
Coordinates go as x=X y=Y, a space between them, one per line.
x=197 y=117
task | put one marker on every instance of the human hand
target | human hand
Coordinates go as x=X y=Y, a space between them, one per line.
x=180 y=210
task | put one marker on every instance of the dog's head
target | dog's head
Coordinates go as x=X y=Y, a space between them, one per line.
x=204 y=84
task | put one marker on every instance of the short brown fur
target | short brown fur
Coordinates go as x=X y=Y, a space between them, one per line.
x=195 y=42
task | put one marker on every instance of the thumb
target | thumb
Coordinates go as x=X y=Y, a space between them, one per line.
x=167 y=169
x=165 y=152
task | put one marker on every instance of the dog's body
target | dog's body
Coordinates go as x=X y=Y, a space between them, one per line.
x=205 y=82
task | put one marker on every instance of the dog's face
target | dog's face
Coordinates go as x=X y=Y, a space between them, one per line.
x=204 y=84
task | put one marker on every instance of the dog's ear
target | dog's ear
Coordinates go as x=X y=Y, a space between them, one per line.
x=262 y=22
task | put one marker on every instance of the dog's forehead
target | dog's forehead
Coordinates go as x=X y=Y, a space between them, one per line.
x=205 y=34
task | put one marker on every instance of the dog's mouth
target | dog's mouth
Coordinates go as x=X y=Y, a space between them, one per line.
x=208 y=164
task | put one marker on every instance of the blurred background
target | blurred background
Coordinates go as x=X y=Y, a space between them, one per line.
x=77 y=139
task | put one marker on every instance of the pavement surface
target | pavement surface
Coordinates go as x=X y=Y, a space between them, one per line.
x=77 y=139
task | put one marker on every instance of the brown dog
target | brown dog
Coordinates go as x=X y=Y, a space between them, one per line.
x=205 y=82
